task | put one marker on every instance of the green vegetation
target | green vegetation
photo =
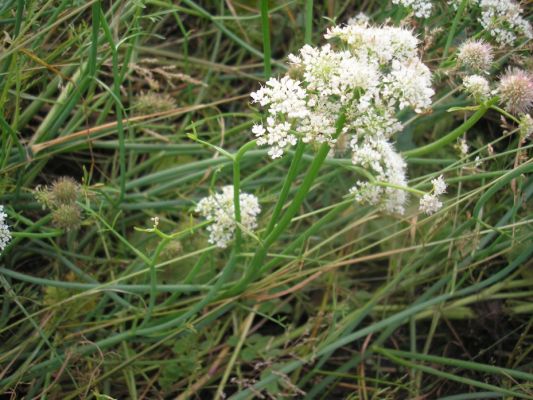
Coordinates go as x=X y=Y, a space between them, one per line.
x=117 y=118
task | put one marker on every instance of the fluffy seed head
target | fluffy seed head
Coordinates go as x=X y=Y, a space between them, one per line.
x=516 y=91
x=475 y=55
x=67 y=217
x=5 y=234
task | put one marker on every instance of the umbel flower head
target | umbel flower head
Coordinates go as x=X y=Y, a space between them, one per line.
x=430 y=203
x=379 y=158
x=368 y=74
x=475 y=55
x=516 y=91
x=477 y=86
x=503 y=20
x=5 y=234
x=220 y=209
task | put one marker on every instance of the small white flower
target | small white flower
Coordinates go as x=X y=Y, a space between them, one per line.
x=421 y=8
x=430 y=204
x=477 y=86
x=439 y=186
x=359 y=19
x=220 y=209
x=409 y=85
x=258 y=130
x=463 y=147
x=5 y=234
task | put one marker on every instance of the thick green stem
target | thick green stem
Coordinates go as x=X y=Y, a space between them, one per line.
x=289 y=179
x=453 y=135
x=284 y=222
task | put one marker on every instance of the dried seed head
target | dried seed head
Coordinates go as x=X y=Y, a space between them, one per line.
x=152 y=102
x=67 y=217
x=173 y=250
x=64 y=190
x=516 y=91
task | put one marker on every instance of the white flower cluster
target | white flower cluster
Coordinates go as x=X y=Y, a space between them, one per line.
x=375 y=73
x=368 y=75
x=5 y=234
x=421 y=8
x=477 y=86
x=430 y=203
x=220 y=209
x=379 y=158
x=502 y=19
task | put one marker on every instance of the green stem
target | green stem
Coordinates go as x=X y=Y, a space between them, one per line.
x=236 y=192
x=118 y=106
x=102 y=287
x=265 y=27
x=308 y=34
x=453 y=135
x=315 y=227
x=505 y=114
x=451 y=34
x=289 y=179
x=261 y=253
x=404 y=188
x=37 y=235
x=446 y=375
x=153 y=282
